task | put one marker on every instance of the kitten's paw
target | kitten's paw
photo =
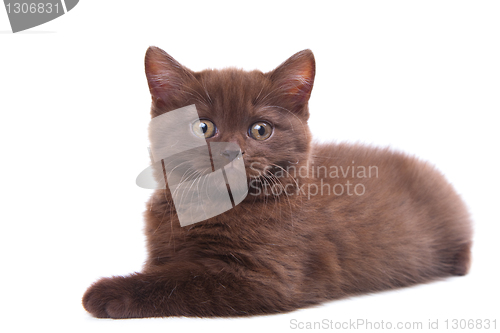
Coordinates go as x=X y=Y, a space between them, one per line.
x=108 y=298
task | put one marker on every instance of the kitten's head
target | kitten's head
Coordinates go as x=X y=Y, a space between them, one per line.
x=264 y=113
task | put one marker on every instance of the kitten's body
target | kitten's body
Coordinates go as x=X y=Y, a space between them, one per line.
x=275 y=253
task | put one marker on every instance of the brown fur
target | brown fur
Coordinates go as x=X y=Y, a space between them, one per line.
x=277 y=253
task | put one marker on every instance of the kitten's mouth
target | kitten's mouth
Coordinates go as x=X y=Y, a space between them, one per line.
x=233 y=164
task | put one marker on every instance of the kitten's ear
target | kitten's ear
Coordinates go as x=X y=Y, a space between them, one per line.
x=165 y=76
x=295 y=77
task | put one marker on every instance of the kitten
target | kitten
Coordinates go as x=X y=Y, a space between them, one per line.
x=320 y=221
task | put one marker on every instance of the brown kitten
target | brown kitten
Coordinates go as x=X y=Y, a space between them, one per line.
x=396 y=222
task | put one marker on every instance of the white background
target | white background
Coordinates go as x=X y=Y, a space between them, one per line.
x=419 y=76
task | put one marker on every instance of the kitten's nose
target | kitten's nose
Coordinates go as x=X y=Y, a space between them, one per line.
x=230 y=154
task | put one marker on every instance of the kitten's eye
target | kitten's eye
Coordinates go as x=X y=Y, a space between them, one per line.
x=260 y=130
x=204 y=128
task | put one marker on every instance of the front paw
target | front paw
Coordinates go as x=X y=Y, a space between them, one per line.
x=109 y=298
